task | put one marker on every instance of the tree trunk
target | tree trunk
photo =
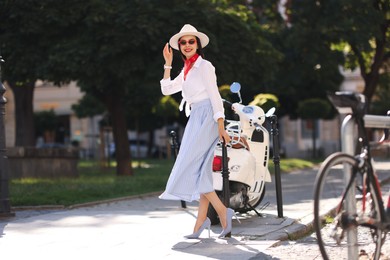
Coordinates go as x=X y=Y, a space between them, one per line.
x=371 y=79
x=24 y=114
x=370 y=86
x=150 y=143
x=119 y=130
x=314 y=128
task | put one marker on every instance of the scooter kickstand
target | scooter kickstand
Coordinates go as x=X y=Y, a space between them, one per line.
x=263 y=207
x=252 y=208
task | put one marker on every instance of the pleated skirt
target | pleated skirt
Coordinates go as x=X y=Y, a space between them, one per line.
x=191 y=174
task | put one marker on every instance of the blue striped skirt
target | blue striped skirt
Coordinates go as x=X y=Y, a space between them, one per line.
x=191 y=174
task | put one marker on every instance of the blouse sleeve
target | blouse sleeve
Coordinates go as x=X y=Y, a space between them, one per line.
x=169 y=87
x=210 y=81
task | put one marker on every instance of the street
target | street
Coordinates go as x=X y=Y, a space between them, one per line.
x=152 y=228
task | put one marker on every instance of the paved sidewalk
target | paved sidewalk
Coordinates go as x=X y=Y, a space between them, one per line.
x=150 y=228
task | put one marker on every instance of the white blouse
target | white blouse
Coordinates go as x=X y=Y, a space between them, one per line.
x=200 y=84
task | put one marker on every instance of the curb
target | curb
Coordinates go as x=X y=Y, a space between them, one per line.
x=295 y=231
x=108 y=201
x=87 y=204
x=299 y=230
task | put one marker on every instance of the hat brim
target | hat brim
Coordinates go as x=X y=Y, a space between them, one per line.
x=174 y=41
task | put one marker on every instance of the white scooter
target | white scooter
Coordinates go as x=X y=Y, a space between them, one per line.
x=248 y=155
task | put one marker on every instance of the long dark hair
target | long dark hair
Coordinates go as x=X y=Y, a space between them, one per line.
x=198 y=51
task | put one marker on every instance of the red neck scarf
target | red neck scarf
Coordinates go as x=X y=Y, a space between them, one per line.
x=188 y=63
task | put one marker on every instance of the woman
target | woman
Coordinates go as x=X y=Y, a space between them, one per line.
x=191 y=176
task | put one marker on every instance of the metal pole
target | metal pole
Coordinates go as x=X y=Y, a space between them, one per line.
x=174 y=148
x=347 y=146
x=5 y=208
x=225 y=176
x=374 y=121
x=276 y=160
x=225 y=179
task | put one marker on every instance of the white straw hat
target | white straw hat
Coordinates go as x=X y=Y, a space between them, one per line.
x=188 y=30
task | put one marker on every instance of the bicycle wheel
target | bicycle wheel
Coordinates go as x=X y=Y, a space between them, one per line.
x=346 y=227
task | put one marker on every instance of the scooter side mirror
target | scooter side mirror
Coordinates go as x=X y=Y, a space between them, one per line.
x=235 y=87
x=270 y=112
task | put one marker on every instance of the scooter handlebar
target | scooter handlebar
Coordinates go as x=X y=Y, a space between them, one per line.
x=227 y=102
x=258 y=127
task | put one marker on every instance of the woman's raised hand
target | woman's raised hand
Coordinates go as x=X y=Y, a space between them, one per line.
x=168 y=55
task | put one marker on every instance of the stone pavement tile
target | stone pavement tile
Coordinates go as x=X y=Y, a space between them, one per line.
x=231 y=248
x=151 y=229
x=298 y=230
x=260 y=227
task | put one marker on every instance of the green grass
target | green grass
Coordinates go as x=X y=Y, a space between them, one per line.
x=95 y=184
x=289 y=165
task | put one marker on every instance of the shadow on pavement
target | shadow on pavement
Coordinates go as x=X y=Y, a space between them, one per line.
x=215 y=248
x=2 y=226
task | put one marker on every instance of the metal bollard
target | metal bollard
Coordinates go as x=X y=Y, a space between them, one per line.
x=175 y=148
x=5 y=208
x=225 y=179
x=276 y=159
x=225 y=176
x=347 y=146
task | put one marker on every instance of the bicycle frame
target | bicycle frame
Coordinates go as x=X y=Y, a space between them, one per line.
x=347 y=143
x=361 y=205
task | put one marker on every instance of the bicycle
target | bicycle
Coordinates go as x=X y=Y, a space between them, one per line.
x=348 y=207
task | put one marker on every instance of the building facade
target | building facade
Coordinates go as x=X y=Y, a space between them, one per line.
x=84 y=132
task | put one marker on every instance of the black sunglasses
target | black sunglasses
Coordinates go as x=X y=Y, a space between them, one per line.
x=184 y=42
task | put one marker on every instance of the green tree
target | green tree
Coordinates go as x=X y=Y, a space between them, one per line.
x=357 y=29
x=316 y=37
x=114 y=50
x=45 y=120
x=24 y=62
x=88 y=106
x=122 y=67
x=167 y=107
x=312 y=110
x=380 y=102
x=224 y=90
x=266 y=101
x=241 y=52
x=307 y=68
x=28 y=30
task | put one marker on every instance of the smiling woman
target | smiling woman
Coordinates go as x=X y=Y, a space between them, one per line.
x=191 y=176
